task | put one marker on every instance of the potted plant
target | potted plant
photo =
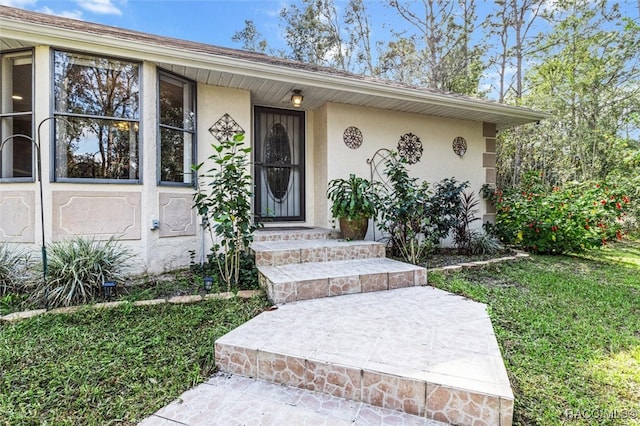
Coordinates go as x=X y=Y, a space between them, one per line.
x=355 y=201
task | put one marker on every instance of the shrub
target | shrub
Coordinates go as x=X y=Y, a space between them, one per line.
x=223 y=199
x=443 y=209
x=402 y=212
x=483 y=243
x=631 y=188
x=414 y=217
x=15 y=270
x=462 y=233
x=554 y=220
x=77 y=268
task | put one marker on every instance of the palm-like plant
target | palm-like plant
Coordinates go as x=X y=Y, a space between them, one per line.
x=355 y=200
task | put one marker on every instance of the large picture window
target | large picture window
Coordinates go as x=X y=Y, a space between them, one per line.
x=176 y=107
x=16 y=115
x=97 y=106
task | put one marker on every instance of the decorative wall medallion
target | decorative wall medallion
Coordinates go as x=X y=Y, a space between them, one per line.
x=410 y=148
x=352 y=137
x=459 y=146
x=225 y=128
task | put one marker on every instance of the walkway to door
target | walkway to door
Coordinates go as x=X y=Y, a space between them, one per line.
x=373 y=355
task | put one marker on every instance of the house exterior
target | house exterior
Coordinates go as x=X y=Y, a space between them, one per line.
x=119 y=117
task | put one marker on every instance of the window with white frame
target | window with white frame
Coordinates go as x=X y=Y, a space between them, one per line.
x=176 y=112
x=16 y=115
x=97 y=109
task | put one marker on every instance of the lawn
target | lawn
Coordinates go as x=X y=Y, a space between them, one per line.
x=110 y=366
x=569 y=329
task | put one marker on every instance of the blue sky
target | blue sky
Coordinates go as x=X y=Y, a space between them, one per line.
x=215 y=21
x=208 y=21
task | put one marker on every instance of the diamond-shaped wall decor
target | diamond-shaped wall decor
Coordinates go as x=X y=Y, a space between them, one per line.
x=225 y=128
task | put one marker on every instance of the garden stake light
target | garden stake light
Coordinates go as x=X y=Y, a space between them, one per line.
x=208 y=284
x=109 y=289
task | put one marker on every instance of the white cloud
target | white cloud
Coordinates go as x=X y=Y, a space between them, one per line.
x=103 y=7
x=18 y=3
x=73 y=14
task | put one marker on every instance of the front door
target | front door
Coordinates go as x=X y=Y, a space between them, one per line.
x=279 y=164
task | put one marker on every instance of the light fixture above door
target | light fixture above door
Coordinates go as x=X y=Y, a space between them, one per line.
x=297 y=98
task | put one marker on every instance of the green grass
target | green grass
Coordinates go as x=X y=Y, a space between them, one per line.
x=569 y=329
x=110 y=366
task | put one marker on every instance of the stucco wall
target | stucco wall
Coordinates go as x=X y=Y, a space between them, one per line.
x=383 y=129
x=128 y=211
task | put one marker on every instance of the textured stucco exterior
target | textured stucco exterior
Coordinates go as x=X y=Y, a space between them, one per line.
x=383 y=129
x=227 y=82
x=127 y=211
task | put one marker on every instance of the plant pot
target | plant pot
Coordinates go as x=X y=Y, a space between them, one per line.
x=354 y=229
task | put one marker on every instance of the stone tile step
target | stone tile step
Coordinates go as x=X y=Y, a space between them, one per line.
x=279 y=233
x=303 y=281
x=235 y=400
x=417 y=350
x=283 y=252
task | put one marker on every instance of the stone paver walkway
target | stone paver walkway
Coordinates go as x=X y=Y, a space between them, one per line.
x=413 y=355
x=228 y=400
x=356 y=339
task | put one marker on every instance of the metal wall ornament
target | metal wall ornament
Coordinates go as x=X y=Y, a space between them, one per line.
x=352 y=137
x=225 y=128
x=410 y=148
x=459 y=146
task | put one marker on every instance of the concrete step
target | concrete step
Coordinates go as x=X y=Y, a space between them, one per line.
x=303 y=281
x=284 y=252
x=236 y=400
x=280 y=233
x=417 y=350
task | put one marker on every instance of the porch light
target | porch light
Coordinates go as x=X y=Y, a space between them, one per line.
x=208 y=283
x=297 y=98
x=108 y=289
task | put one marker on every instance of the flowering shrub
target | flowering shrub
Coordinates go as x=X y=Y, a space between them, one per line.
x=558 y=220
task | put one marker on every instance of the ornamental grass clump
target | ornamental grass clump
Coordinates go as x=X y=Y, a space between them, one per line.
x=15 y=270
x=77 y=268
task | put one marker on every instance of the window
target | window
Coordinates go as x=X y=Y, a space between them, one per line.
x=97 y=109
x=176 y=107
x=16 y=115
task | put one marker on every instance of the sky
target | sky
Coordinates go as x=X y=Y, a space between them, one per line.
x=207 y=21
x=215 y=21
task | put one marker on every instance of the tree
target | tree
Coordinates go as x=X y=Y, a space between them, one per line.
x=586 y=72
x=443 y=55
x=512 y=23
x=250 y=38
x=318 y=33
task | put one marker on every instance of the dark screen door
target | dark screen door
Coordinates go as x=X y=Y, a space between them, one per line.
x=279 y=164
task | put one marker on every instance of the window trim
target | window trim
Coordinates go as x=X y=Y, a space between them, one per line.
x=54 y=113
x=34 y=142
x=160 y=126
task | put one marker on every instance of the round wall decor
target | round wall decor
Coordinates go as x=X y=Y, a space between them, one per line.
x=352 y=137
x=410 y=148
x=459 y=146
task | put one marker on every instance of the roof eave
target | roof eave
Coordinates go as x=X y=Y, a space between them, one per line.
x=44 y=34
